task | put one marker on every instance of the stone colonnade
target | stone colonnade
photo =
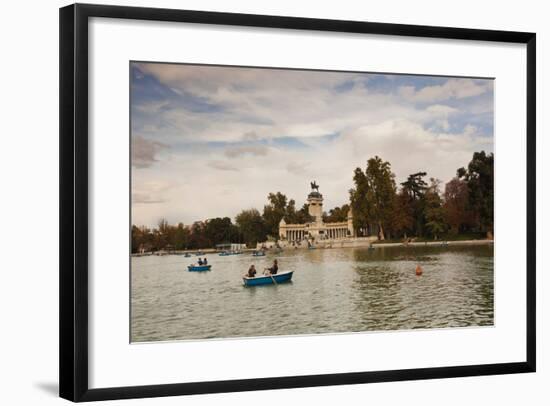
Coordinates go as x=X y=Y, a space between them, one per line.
x=295 y=235
x=334 y=233
x=330 y=233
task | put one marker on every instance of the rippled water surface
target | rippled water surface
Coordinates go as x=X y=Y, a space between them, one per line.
x=332 y=290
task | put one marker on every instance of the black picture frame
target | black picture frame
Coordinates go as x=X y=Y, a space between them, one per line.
x=73 y=254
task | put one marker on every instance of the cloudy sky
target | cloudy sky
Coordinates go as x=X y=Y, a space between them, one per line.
x=210 y=141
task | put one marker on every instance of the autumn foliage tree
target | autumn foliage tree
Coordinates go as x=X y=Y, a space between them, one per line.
x=457 y=213
x=402 y=218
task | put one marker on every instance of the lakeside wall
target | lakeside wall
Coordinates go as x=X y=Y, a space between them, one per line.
x=359 y=242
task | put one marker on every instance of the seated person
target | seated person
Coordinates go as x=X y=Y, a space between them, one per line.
x=200 y=262
x=273 y=270
x=251 y=271
x=204 y=261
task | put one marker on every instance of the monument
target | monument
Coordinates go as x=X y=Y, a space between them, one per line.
x=316 y=229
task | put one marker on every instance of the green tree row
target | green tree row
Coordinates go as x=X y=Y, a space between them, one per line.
x=250 y=227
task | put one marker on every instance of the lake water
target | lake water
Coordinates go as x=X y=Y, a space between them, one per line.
x=332 y=290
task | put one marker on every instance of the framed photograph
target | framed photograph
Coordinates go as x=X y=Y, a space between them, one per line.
x=256 y=202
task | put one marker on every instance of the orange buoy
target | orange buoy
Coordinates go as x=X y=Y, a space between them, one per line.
x=418 y=270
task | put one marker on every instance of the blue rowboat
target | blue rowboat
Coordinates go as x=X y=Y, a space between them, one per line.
x=198 y=268
x=258 y=254
x=268 y=280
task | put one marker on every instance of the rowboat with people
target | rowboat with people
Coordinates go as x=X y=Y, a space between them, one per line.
x=198 y=268
x=268 y=279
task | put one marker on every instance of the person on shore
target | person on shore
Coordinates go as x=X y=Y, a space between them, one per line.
x=273 y=270
x=251 y=271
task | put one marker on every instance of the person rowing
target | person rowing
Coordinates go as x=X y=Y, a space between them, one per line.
x=273 y=270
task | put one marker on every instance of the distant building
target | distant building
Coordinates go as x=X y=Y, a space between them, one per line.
x=230 y=247
x=317 y=229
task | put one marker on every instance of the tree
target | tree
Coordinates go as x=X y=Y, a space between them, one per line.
x=197 y=236
x=142 y=238
x=415 y=187
x=181 y=237
x=434 y=211
x=338 y=214
x=457 y=213
x=162 y=235
x=402 y=218
x=480 y=180
x=381 y=192
x=303 y=216
x=252 y=226
x=374 y=194
x=274 y=212
x=219 y=230
x=360 y=203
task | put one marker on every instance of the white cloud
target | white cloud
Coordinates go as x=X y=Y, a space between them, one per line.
x=275 y=127
x=236 y=152
x=441 y=109
x=222 y=166
x=451 y=89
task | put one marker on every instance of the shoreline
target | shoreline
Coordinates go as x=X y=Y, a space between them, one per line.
x=434 y=243
x=334 y=244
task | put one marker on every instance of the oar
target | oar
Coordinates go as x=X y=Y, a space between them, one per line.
x=271 y=276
